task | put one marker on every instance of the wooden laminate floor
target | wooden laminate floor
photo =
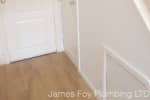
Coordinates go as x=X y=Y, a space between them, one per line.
x=39 y=78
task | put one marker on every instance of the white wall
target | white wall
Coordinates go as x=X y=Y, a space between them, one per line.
x=117 y=24
x=0 y=40
x=70 y=30
x=2 y=44
x=59 y=26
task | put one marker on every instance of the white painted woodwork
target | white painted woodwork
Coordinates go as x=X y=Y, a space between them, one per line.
x=29 y=26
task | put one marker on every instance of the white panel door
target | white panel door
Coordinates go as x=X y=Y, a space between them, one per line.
x=29 y=25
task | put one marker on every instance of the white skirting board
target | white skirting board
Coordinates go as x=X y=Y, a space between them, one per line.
x=90 y=84
x=127 y=66
x=142 y=78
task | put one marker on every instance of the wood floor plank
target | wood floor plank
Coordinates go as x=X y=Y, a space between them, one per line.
x=36 y=78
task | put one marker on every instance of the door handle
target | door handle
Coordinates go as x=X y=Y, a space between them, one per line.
x=3 y=1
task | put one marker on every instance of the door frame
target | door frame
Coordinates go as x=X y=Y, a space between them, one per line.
x=57 y=6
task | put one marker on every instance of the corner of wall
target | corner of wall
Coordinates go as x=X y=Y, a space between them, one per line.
x=72 y=58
